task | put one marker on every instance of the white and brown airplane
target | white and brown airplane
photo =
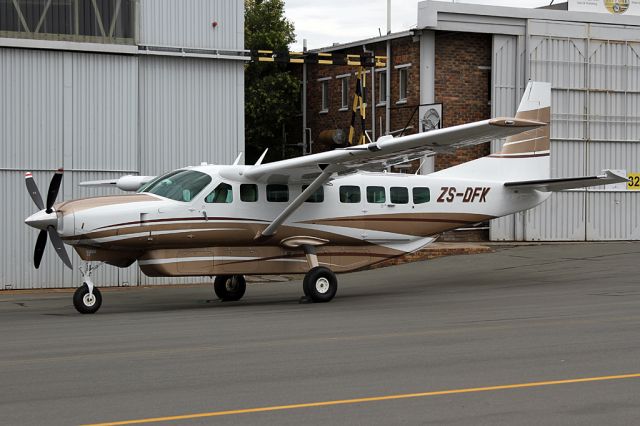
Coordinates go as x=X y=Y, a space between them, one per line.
x=317 y=214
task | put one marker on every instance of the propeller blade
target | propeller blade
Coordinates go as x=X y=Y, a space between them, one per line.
x=33 y=190
x=41 y=242
x=59 y=246
x=54 y=186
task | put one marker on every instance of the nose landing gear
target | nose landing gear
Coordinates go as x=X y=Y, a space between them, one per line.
x=87 y=299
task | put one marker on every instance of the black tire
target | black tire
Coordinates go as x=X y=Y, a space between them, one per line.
x=229 y=287
x=320 y=284
x=84 y=303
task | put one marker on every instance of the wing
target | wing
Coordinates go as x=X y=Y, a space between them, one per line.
x=549 y=185
x=125 y=183
x=388 y=150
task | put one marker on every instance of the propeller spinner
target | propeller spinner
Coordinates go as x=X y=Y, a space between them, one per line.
x=46 y=219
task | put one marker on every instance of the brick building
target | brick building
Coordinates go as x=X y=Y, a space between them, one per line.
x=476 y=60
x=462 y=86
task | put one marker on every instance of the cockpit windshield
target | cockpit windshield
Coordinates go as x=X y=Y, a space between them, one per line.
x=179 y=185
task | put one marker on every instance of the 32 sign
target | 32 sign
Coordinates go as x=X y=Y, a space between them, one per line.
x=634 y=182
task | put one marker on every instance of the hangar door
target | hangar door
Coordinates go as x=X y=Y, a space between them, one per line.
x=595 y=125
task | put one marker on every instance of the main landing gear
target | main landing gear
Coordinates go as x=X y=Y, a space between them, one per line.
x=320 y=283
x=87 y=299
x=229 y=287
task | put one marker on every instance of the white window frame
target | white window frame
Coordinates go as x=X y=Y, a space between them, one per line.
x=403 y=69
x=382 y=94
x=344 y=91
x=324 y=94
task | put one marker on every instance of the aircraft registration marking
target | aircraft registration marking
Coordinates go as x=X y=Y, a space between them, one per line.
x=634 y=182
x=470 y=194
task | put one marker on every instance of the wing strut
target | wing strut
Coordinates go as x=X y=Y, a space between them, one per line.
x=317 y=183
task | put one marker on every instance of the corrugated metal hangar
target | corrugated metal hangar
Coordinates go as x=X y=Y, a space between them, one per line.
x=593 y=63
x=105 y=88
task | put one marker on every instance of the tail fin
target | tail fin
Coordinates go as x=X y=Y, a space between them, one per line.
x=535 y=105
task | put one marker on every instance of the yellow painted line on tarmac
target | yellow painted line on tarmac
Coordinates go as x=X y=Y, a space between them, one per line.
x=368 y=399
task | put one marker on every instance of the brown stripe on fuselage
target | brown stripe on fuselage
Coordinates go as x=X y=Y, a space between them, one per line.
x=73 y=206
x=208 y=233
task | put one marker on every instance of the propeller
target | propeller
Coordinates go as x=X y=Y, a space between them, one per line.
x=46 y=219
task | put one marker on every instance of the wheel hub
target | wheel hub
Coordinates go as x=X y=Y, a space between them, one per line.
x=231 y=285
x=89 y=299
x=322 y=285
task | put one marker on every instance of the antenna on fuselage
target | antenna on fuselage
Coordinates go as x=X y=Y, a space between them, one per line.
x=235 y=163
x=262 y=157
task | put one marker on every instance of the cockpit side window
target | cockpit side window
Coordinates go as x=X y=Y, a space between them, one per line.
x=222 y=194
x=179 y=185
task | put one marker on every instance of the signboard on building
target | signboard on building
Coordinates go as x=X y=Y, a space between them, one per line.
x=613 y=7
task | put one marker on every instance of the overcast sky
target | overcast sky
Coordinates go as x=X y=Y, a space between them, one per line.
x=324 y=22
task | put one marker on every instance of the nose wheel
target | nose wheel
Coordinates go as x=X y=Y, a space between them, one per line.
x=87 y=298
x=87 y=302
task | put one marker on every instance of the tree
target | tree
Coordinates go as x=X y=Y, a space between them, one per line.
x=271 y=91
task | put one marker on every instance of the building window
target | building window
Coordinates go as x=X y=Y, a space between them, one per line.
x=402 y=84
x=399 y=195
x=316 y=197
x=382 y=87
x=222 y=194
x=324 y=87
x=421 y=195
x=98 y=21
x=277 y=193
x=344 y=98
x=349 y=194
x=375 y=194
x=249 y=192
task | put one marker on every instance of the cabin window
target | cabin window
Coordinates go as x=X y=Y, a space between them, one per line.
x=399 y=195
x=349 y=194
x=179 y=185
x=421 y=195
x=376 y=194
x=316 y=197
x=277 y=193
x=222 y=194
x=249 y=192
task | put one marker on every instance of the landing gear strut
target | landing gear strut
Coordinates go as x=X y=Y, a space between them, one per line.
x=229 y=287
x=87 y=299
x=320 y=283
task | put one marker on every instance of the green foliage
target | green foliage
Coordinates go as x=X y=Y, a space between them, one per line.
x=271 y=91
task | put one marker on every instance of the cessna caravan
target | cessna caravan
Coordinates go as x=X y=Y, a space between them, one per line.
x=319 y=214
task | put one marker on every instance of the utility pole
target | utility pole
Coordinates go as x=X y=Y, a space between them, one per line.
x=387 y=121
x=304 y=100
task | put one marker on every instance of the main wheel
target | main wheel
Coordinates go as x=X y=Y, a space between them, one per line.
x=320 y=284
x=86 y=303
x=230 y=287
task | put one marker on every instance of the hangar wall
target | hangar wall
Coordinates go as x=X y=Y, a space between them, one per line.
x=595 y=76
x=103 y=115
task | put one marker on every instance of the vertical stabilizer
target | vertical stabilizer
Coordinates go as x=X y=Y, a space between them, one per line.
x=535 y=105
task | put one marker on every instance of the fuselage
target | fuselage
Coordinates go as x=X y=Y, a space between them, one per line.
x=366 y=212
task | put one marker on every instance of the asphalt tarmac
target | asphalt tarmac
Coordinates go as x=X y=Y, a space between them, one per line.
x=511 y=334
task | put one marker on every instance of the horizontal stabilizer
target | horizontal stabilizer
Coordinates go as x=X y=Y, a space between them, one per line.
x=549 y=185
